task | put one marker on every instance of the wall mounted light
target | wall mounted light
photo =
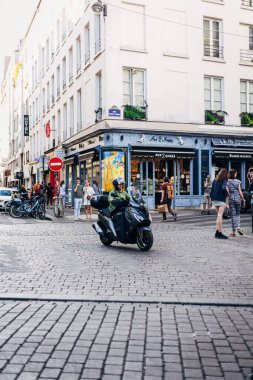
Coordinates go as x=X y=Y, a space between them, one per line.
x=99 y=7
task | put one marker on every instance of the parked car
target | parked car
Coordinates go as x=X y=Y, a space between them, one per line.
x=6 y=195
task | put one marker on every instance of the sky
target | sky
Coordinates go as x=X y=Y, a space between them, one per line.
x=15 y=16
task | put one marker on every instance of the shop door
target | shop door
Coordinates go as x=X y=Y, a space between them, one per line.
x=237 y=165
x=147 y=183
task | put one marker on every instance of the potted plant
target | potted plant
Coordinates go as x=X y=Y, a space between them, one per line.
x=246 y=118
x=215 y=117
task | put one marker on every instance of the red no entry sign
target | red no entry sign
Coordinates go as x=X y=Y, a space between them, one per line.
x=55 y=164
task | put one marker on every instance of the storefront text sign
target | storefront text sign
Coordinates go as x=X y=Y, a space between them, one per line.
x=232 y=142
x=26 y=125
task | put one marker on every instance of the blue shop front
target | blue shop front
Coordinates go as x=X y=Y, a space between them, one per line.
x=144 y=159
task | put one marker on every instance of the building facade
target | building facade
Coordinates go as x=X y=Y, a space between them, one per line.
x=141 y=90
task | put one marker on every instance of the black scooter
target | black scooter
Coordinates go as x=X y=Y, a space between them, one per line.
x=137 y=221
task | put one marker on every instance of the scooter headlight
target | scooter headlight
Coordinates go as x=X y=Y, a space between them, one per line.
x=139 y=218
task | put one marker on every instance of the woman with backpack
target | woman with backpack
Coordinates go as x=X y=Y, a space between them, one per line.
x=167 y=196
x=235 y=201
x=218 y=194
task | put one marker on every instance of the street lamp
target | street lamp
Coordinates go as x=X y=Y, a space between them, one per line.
x=98 y=7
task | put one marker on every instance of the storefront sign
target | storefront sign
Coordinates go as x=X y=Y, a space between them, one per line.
x=234 y=155
x=165 y=155
x=232 y=142
x=26 y=125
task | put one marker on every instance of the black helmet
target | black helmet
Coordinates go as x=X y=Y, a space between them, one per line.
x=118 y=181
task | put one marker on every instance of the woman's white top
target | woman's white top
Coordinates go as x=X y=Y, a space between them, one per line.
x=88 y=191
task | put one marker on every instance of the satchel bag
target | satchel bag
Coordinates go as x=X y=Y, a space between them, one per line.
x=162 y=208
x=89 y=197
x=226 y=213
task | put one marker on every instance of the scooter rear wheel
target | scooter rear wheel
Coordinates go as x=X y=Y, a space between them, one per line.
x=145 y=240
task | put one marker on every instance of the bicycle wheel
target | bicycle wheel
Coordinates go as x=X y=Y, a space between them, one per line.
x=60 y=208
x=41 y=213
x=16 y=212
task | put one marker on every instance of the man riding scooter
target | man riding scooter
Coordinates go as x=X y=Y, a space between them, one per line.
x=118 y=198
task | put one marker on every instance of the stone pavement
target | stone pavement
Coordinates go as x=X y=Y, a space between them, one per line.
x=71 y=308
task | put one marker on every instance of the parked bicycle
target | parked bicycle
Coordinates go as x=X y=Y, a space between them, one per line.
x=58 y=207
x=32 y=208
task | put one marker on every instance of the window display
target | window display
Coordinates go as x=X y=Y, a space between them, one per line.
x=113 y=165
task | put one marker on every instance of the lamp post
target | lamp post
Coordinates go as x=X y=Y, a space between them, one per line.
x=99 y=7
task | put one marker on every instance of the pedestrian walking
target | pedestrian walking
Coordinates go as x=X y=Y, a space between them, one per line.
x=207 y=203
x=167 y=197
x=63 y=193
x=235 y=201
x=78 y=197
x=219 y=194
x=49 y=192
x=88 y=194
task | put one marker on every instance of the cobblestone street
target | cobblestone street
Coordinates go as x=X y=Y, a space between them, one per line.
x=73 y=309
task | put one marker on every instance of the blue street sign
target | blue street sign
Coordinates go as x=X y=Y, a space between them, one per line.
x=115 y=112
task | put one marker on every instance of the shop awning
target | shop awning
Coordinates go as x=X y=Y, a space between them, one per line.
x=233 y=154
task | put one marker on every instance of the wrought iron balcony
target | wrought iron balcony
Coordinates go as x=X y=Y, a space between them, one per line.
x=71 y=130
x=79 y=126
x=64 y=135
x=87 y=57
x=247 y=56
x=247 y=3
x=78 y=68
x=98 y=45
x=215 y=52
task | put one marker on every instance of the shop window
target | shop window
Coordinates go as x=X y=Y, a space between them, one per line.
x=113 y=166
x=184 y=177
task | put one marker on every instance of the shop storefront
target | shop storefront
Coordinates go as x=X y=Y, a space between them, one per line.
x=232 y=153
x=143 y=161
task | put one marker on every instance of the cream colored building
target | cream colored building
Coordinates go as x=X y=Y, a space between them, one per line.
x=156 y=73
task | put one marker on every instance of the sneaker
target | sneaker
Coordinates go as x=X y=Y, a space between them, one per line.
x=240 y=232
x=217 y=234
x=165 y=220
x=175 y=217
x=221 y=236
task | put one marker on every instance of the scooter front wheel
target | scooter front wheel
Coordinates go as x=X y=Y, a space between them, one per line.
x=145 y=240
x=106 y=240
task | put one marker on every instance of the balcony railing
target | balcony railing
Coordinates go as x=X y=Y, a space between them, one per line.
x=78 y=68
x=215 y=52
x=87 y=57
x=79 y=126
x=247 y=3
x=63 y=85
x=71 y=130
x=52 y=99
x=98 y=45
x=64 y=135
x=247 y=56
x=215 y=117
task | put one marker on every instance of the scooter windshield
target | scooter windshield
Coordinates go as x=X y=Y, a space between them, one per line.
x=136 y=197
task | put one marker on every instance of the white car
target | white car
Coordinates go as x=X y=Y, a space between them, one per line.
x=5 y=196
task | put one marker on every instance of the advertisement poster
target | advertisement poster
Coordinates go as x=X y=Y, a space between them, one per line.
x=113 y=165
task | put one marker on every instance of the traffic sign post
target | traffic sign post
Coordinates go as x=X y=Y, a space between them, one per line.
x=55 y=164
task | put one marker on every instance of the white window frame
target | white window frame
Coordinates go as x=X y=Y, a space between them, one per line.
x=249 y=106
x=132 y=94
x=251 y=38
x=211 y=46
x=212 y=93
